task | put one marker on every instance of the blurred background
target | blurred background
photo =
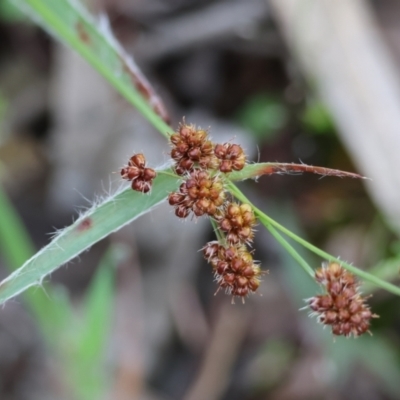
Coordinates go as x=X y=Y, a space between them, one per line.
x=313 y=81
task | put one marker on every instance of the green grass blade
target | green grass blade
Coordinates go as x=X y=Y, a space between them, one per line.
x=16 y=247
x=15 y=243
x=69 y=22
x=86 y=354
x=95 y=224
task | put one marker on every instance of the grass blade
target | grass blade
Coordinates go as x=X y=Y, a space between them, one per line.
x=95 y=224
x=69 y=22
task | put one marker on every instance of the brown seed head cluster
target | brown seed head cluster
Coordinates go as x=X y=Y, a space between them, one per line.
x=191 y=148
x=200 y=162
x=231 y=157
x=234 y=268
x=342 y=307
x=238 y=221
x=137 y=173
x=200 y=193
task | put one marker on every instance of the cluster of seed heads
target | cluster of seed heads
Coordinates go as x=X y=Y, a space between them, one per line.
x=234 y=268
x=137 y=173
x=202 y=165
x=200 y=193
x=342 y=307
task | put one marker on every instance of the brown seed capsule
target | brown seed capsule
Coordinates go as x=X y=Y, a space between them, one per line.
x=342 y=307
x=231 y=156
x=137 y=173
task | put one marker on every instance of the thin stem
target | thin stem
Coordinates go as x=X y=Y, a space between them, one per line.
x=291 y=250
x=268 y=221
x=218 y=232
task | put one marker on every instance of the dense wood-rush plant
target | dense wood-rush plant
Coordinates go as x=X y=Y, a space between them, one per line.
x=200 y=183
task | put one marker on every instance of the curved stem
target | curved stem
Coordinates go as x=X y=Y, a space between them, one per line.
x=268 y=222
x=291 y=250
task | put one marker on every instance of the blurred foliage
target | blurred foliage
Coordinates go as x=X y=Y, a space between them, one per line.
x=10 y=13
x=264 y=116
x=3 y=110
x=317 y=119
x=78 y=337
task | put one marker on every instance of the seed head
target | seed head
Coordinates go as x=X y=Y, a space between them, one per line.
x=234 y=268
x=342 y=307
x=238 y=221
x=191 y=147
x=137 y=173
x=200 y=193
x=231 y=157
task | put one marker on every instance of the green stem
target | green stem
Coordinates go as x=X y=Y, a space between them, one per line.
x=268 y=221
x=218 y=232
x=291 y=250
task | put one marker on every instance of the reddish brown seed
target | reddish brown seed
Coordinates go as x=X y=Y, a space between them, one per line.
x=254 y=283
x=149 y=174
x=138 y=160
x=220 y=150
x=210 y=250
x=175 y=198
x=248 y=272
x=229 y=278
x=184 y=131
x=222 y=267
x=225 y=166
x=242 y=281
x=130 y=173
x=181 y=212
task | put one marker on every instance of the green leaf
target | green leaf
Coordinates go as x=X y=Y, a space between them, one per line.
x=98 y=307
x=51 y=307
x=85 y=355
x=69 y=22
x=98 y=222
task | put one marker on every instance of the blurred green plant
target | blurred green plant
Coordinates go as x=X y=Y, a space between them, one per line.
x=317 y=119
x=3 y=110
x=78 y=338
x=264 y=116
x=10 y=13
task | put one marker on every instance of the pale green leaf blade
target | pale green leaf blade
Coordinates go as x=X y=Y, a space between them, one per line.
x=95 y=224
